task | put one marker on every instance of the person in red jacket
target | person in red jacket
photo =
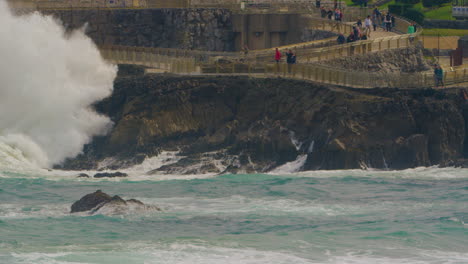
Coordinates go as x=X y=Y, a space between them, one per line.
x=277 y=56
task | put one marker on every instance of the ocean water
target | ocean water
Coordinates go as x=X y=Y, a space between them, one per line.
x=412 y=216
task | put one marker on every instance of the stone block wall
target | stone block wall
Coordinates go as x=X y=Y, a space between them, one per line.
x=201 y=29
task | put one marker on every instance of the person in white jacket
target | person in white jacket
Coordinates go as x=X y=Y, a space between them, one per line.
x=368 y=25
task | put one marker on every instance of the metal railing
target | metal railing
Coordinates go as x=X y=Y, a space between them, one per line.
x=164 y=60
x=167 y=62
x=257 y=63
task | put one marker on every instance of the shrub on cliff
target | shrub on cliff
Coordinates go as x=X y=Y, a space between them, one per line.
x=414 y=14
x=405 y=10
x=398 y=9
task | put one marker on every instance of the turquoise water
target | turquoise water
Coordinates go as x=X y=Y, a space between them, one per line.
x=413 y=216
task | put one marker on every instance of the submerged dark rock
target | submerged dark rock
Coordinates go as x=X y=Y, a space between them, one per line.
x=94 y=202
x=239 y=124
x=110 y=175
x=461 y=163
x=90 y=201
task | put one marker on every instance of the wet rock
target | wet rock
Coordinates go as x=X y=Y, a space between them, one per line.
x=83 y=175
x=110 y=175
x=90 y=201
x=260 y=124
x=100 y=202
x=460 y=163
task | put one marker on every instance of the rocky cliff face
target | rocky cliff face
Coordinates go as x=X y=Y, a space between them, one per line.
x=243 y=125
x=401 y=60
x=203 y=29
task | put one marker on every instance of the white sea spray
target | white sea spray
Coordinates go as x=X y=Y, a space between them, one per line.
x=49 y=80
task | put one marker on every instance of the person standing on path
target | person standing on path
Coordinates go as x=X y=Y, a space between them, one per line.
x=323 y=12
x=277 y=55
x=277 y=59
x=439 y=75
x=330 y=14
x=368 y=25
x=388 y=22
x=290 y=59
x=411 y=31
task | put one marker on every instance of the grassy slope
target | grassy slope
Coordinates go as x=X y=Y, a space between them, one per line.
x=444 y=12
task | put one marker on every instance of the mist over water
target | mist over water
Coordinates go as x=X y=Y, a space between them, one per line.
x=49 y=79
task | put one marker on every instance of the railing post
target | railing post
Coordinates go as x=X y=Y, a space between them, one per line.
x=445 y=78
x=343 y=81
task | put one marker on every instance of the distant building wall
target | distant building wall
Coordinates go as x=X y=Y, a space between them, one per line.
x=260 y=31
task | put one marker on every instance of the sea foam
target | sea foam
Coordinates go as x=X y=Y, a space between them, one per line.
x=49 y=80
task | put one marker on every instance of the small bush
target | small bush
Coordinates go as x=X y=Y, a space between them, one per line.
x=414 y=14
x=398 y=9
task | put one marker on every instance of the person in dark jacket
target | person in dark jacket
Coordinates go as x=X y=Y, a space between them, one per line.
x=341 y=39
x=388 y=22
x=355 y=33
x=323 y=12
x=330 y=14
x=290 y=59
x=439 y=76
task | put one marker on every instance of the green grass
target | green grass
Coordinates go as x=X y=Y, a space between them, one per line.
x=445 y=32
x=350 y=3
x=444 y=12
x=385 y=6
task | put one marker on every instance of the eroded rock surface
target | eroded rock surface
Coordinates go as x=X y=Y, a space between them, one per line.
x=237 y=124
x=408 y=60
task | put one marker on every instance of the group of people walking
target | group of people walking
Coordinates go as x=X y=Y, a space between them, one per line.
x=362 y=30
